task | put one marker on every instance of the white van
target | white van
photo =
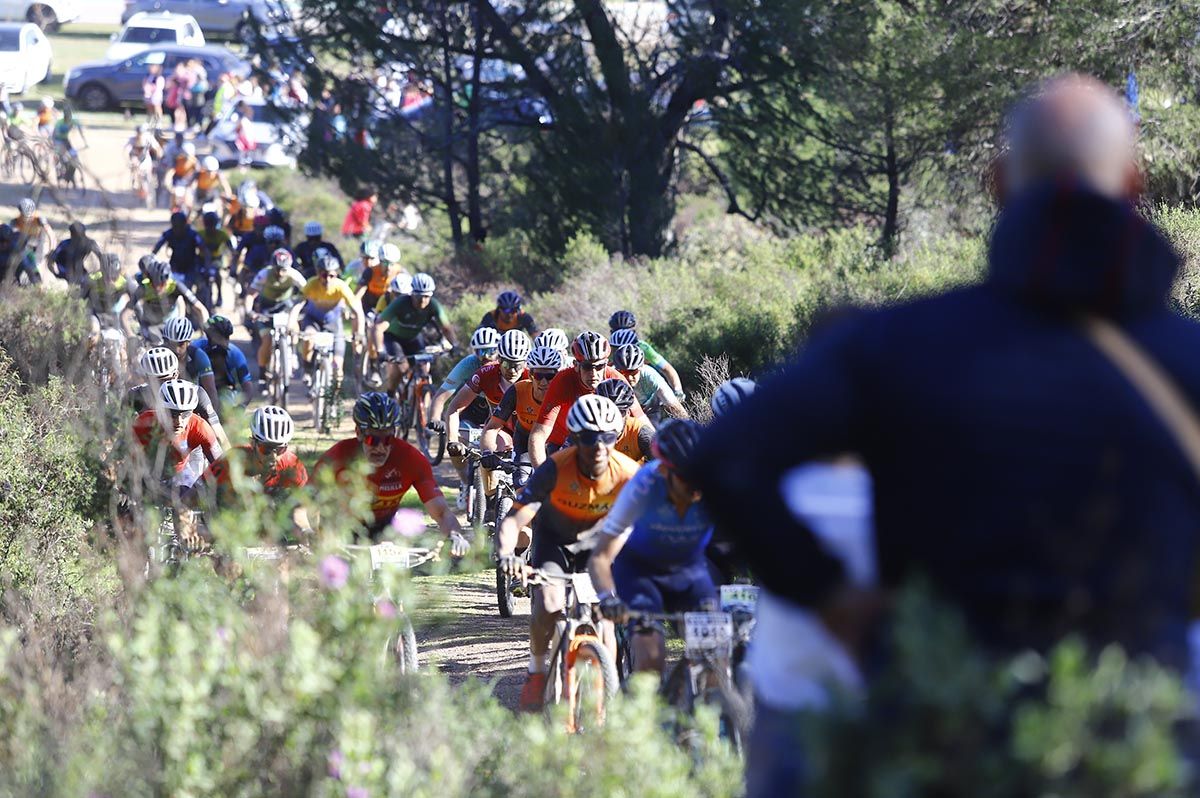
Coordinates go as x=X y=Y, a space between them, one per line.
x=145 y=30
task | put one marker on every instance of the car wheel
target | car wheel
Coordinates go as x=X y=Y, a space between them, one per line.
x=42 y=16
x=94 y=97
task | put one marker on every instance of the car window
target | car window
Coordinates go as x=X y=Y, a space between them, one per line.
x=188 y=31
x=148 y=35
x=147 y=58
x=10 y=40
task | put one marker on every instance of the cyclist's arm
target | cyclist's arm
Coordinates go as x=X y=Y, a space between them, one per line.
x=462 y=399
x=632 y=503
x=442 y=321
x=646 y=440
x=162 y=242
x=384 y=320
x=496 y=422
x=666 y=397
x=439 y=510
x=540 y=434
x=672 y=377
x=600 y=563
x=529 y=500
x=193 y=303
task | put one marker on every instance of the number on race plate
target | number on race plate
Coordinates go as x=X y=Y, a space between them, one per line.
x=474 y=436
x=739 y=597
x=585 y=591
x=264 y=553
x=708 y=633
x=391 y=554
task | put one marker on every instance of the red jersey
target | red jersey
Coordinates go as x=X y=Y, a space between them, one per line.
x=288 y=473
x=196 y=434
x=491 y=384
x=562 y=392
x=405 y=468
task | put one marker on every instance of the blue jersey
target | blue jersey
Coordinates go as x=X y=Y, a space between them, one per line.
x=196 y=364
x=459 y=375
x=659 y=537
x=236 y=371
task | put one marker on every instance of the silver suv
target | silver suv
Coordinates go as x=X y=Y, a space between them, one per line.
x=234 y=18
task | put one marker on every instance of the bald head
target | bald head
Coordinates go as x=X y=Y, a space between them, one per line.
x=1072 y=126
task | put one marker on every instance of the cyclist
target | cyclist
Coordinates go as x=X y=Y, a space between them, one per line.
x=211 y=185
x=157 y=295
x=60 y=138
x=229 y=366
x=649 y=387
x=268 y=461
x=143 y=150
x=188 y=249
x=243 y=210
x=729 y=393
x=637 y=435
x=395 y=466
x=171 y=432
x=306 y=250
x=625 y=320
x=177 y=336
x=554 y=338
x=46 y=117
x=260 y=249
x=591 y=351
x=368 y=257
x=181 y=177
x=72 y=256
x=564 y=498
x=518 y=411
x=106 y=294
x=31 y=234
x=378 y=274
x=275 y=289
x=218 y=243
x=159 y=364
x=650 y=556
x=399 y=325
x=325 y=295
x=508 y=315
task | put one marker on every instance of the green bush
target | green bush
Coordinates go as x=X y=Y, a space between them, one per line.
x=42 y=332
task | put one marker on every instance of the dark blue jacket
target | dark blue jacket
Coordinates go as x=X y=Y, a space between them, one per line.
x=1013 y=465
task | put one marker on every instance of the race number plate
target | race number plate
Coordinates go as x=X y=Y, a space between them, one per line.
x=264 y=553
x=280 y=320
x=391 y=554
x=474 y=434
x=585 y=592
x=708 y=633
x=739 y=597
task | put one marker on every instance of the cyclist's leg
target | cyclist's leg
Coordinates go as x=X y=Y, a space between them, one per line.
x=547 y=603
x=640 y=591
x=339 y=351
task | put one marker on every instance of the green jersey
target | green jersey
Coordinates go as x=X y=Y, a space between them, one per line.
x=650 y=385
x=653 y=358
x=407 y=320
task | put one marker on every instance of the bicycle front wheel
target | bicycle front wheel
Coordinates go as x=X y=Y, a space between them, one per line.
x=590 y=680
x=26 y=168
x=421 y=418
x=504 y=584
x=318 y=396
x=477 y=503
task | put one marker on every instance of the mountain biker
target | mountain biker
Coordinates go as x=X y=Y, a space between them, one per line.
x=243 y=210
x=590 y=350
x=266 y=460
x=217 y=241
x=554 y=338
x=72 y=256
x=518 y=410
x=105 y=292
x=730 y=393
x=171 y=432
x=143 y=150
x=211 y=184
x=637 y=434
x=230 y=369
x=188 y=249
x=379 y=271
x=650 y=556
x=625 y=320
x=260 y=250
x=649 y=387
x=399 y=325
x=563 y=498
x=368 y=257
x=395 y=467
x=157 y=295
x=31 y=234
x=197 y=368
x=508 y=315
x=159 y=364
x=275 y=289
x=325 y=295
x=60 y=138
x=46 y=116
x=306 y=250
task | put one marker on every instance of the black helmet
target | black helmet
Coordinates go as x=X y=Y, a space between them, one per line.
x=211 y=217
x=275 y=216
x=179 y=217
x=618 y=391
x=509 y=301
x=621 y=320
x=675 y=441
x=144 y=264
x=221 y=325
x=376 y=410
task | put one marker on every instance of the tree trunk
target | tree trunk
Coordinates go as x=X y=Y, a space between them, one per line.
x=448 y=193
x=474 y=205
x=891 y=218
x=649 y=205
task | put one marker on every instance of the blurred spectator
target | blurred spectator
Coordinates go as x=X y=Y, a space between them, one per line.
x=198 y=92
x=358 y=217
x=224 y=94
x=153 y=90
x=179 y=89
x=244 y=139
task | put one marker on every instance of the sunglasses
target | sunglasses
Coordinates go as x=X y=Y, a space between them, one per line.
x=486 y=354
x=543 y=376
x=269 y=448
x=182 y=414
x=377 y=440
x=593 y=438
x=512 y=364
x=593 y=366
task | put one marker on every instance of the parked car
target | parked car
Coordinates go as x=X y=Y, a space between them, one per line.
x=24 y=56
x=145 y=30
x=278 y=134
x=97 y=85
x=46 y=14
x=228 y=18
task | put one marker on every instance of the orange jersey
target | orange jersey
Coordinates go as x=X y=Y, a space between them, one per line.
x=208 y=181
x=637 y=435
x=571 y=501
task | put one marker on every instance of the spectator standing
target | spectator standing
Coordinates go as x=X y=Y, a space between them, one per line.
x=197 y=93
x=179 y=89
x=358 y=218
x=153 y=90
x=1014 y=463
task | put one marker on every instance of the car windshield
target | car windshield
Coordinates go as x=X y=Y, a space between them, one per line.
x=10 y=40
x=148 y=35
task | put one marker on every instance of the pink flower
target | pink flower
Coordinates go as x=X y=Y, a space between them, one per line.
x=333 y=572
x=408 y=523
x=334 y=764
x=385 y=609
x=357 y=792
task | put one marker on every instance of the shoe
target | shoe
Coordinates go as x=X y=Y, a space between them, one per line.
x=532 y=692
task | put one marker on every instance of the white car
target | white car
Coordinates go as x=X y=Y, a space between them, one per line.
x=145 y=30
x=24 y=56
x=278 y=135
x=46 y=14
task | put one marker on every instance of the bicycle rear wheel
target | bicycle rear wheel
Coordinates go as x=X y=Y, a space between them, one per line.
x=26 y=168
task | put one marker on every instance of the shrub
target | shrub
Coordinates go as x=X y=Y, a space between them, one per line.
x=42 y=332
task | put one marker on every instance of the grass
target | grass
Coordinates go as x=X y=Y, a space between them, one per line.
x=72 y=45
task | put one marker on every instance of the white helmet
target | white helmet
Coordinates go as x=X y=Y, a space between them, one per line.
x=179 y=395
x=272 y=424
x=26 y=207
x=594 y=413
x=158 y=270
x=485 y=338
x=211 y=164
x=313 y=229
x=389 y=254
x=178 y=330
x=47 y=102
x=422 y=284
x=515 y=345
x=252 y=202
x=544 y=358
x=623 y=336
x=189 y=148
x=730 y=393
x=159 y=362
x=401 y=284
x=553 y=338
